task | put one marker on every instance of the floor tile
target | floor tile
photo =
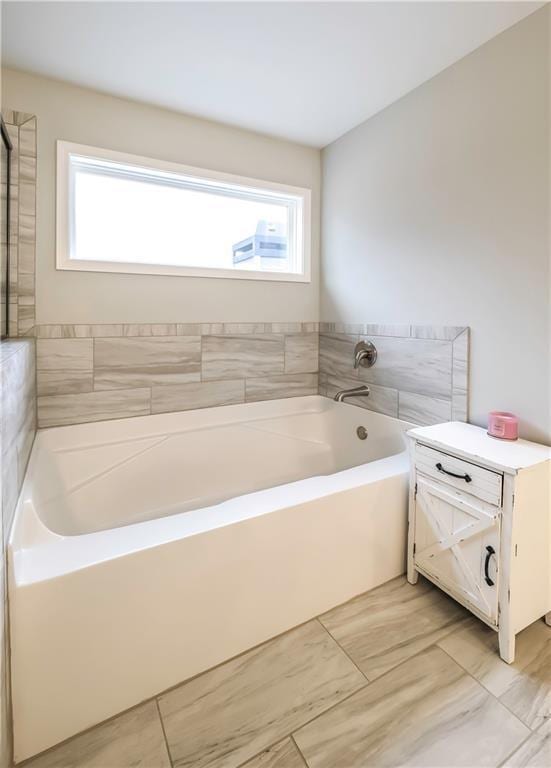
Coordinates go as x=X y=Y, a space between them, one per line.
x=475 y=647
x=427 y=712
x=281 y=755
x=524 y=686
x=232 y=712
x=535 y=752
x=132 y=740
x=392 y=623
x=529 y=695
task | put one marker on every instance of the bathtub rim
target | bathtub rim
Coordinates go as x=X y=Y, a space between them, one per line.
x=37 y=553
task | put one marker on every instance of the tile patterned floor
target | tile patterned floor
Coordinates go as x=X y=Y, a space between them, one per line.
x=400 y=676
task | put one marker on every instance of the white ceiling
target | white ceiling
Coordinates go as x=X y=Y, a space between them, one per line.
x=304 y=71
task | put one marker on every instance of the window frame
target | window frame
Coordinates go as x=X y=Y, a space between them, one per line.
x=64 y=199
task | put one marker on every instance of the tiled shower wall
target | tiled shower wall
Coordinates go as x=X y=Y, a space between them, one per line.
x=421 y=373
x=17 y=362
x=21 y=128
x=18 y=427
x=93 y=372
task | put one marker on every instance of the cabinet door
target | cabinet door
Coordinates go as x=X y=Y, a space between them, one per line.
x=457 y=543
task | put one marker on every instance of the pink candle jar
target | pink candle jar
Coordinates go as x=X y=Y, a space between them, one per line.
x=503 y=425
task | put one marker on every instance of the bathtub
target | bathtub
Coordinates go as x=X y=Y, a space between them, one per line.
x=147 y=550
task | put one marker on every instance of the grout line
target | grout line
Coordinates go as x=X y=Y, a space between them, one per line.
x=164 y=732
x=292 y=739
x=532 y=733
x=320 y=622
x=263 y=750
x=515 y=750
x=320 y=714
x=496 y=698
x=303 y=725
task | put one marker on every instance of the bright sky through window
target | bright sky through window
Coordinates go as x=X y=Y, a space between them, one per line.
x=132 y=217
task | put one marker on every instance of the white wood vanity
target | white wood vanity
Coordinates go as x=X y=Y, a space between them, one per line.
x=480 y=524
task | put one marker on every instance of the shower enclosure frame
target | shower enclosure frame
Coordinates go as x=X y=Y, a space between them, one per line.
x=9 y=148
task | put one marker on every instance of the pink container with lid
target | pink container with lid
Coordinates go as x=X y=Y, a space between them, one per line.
x=503 y=425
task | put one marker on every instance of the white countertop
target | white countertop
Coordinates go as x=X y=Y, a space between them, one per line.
x=474 y=443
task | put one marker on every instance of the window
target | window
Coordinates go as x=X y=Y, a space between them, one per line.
x=122 y=213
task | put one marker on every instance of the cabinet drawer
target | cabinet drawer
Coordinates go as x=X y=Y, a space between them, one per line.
x=478 y=481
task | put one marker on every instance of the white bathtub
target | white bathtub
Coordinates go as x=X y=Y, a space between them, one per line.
x=146 y=550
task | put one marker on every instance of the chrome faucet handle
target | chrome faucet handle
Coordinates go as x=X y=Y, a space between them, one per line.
x=365 y=354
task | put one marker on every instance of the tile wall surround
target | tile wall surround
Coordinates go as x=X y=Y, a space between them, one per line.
x=18 y=427
x=18 y=367
x=102 y=371
x=21 y=128
x=94 y=372
x=421 y=374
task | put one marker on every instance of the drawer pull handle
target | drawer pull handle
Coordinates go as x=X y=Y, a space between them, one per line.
x=490 y=551
x=466 y=478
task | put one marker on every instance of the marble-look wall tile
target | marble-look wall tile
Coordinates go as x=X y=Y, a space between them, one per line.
x=443 y=332
x=64 y=354
x=179 y=361
x=336 y=354
x=122 y=363
x=460 y=376
x=380 y=399
x=233 y=329
x=414 y=365
x=415 y=361
x=18 y=429
x=25 y=318
x=18 y=426
x=286 y=327
x=64 y=382
x=54 y=410
x=310 y=327
x=282 y=385
x=206 y=394
x=27 y=137
x=377 y=329
x=301 y=353
x=171 y=350
x=229 y=714
x=240 y=356
x=423 y=409
x=351 y=329
x=22 y=223
x=64 y=366
x=27 y=202
x=106 y=330
x=203 y=329
x=27 y=168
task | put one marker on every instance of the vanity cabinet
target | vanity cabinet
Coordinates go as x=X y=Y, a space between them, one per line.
x=480 y=524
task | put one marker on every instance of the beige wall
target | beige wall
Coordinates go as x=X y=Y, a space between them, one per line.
x=80 y=115
x=436 y=211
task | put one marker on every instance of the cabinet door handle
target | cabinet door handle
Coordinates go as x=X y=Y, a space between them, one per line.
x=465 y=477
x=489 y=552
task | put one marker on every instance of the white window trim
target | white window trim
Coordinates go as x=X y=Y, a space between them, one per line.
x=63 y=252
